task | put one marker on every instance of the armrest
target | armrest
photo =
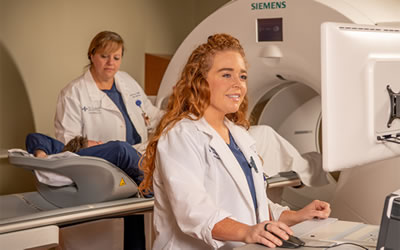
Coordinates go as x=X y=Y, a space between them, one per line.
x=284 y=179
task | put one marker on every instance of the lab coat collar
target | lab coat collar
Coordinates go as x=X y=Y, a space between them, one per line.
x=125 y=92
x=248 y=146
x=245 y=143
x=96 y=95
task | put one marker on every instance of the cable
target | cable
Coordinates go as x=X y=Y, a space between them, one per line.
x=338 y=244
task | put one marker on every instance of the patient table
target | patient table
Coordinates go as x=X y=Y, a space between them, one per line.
x=101 y=190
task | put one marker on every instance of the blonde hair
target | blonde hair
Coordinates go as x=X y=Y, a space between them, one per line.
x=108 y=40
x=191 y=97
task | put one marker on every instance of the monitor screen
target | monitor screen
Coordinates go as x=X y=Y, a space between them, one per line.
x=269 y=29
x=359 y=64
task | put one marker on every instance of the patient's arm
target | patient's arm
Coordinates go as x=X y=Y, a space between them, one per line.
x=37 y=141
x=40 y=153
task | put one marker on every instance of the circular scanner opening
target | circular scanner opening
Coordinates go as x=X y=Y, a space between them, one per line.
x=293 y=110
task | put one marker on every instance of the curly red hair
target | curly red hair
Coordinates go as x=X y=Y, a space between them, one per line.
x=191 y=97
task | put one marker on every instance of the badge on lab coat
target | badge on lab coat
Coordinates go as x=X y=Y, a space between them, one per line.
x=144 y=115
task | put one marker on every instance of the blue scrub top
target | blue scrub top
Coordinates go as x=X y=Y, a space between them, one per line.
x=245 y=167
x=132 y=136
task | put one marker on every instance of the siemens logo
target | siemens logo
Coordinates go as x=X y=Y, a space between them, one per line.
x=268 y=5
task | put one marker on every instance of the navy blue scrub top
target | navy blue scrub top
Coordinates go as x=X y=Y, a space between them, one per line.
x=132 y=136
x=245 y=166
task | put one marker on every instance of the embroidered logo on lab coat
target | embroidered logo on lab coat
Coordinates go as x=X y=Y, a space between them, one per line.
x=94 y=108
x=91 y=109
x=215 y=154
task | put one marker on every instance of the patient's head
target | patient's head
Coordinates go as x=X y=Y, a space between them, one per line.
x=80 y=142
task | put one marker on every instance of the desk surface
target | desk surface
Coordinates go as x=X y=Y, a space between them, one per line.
x=331 y=231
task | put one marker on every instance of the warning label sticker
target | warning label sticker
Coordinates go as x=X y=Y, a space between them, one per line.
x=122 y=182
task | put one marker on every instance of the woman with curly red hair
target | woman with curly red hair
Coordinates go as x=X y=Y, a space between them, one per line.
x=203 y=166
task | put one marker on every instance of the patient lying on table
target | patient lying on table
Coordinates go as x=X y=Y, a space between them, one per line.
x=119 y=153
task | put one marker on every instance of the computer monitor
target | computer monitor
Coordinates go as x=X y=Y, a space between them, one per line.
x=360 y=66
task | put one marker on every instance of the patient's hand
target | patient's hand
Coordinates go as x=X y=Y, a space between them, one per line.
x=92 y=143
x=40 y=153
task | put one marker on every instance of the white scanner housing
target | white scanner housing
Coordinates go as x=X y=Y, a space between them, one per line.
x=284 y=76
x=284 y=86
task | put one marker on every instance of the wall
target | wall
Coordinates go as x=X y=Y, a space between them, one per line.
x=205 y=8
x=15 y=122
x=48 y=40
x=43 y=46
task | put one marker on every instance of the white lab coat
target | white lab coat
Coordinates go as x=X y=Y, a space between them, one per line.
x=198 y=182
x=280 y=156
x=83 y=109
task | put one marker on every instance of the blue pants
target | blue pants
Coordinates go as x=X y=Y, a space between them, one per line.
x=119 y=153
